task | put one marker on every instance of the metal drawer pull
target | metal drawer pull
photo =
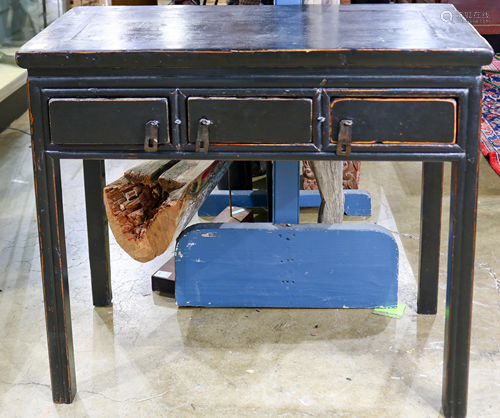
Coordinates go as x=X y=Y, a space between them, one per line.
x=151 y=138
x=202 y=138
x=345 y=137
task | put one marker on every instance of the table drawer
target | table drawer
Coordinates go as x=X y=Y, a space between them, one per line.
x=117 y=121
x=252 y=121
x=396 y=120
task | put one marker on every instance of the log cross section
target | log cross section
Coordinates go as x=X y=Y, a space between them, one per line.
x=153 y=202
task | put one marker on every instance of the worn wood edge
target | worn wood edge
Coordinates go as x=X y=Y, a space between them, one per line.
x=271 y=227
x=149 y=171
x=182 y=173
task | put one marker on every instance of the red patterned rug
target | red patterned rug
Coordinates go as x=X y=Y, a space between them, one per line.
x=490 y=126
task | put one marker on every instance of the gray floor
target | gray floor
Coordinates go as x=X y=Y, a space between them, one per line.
x=145 y=357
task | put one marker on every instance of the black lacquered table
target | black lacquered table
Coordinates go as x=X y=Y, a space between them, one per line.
x=368 y=82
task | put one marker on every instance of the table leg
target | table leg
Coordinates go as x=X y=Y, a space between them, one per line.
x=459 y=287
x=286 y=179
x=461 y=247
x=97 y=230
x=269 y=184
x=430 y=233
x=55 y=276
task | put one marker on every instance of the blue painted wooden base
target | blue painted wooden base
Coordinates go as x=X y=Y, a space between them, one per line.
x=302 y=266
x=357 y=202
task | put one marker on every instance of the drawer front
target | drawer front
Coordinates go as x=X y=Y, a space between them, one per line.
x=252 y=121
x=396 y=120
x=119 y=121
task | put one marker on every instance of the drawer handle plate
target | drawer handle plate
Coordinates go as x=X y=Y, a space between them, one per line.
x=203 y=135
x=345 y=137
x=151 y=138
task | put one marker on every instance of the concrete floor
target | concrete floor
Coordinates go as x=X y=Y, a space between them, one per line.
x=145 y=357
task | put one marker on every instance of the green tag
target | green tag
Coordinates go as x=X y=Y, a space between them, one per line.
x=396 y=312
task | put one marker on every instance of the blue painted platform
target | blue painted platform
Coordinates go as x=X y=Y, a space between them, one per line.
x=357 y=202
x=302 y=266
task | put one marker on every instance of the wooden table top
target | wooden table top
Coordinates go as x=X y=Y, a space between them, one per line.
x=265 y=36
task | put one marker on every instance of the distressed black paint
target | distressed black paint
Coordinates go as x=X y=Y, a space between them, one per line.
x=270 y=37
x=241 y=120
x=396 y=120
x=98 y=233
x=104 y=120
x=53 y=259
x=430 y=237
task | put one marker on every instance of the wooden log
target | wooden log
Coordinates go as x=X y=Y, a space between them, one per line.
x=147 y=209
x=329 y=178
x=148 y=172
